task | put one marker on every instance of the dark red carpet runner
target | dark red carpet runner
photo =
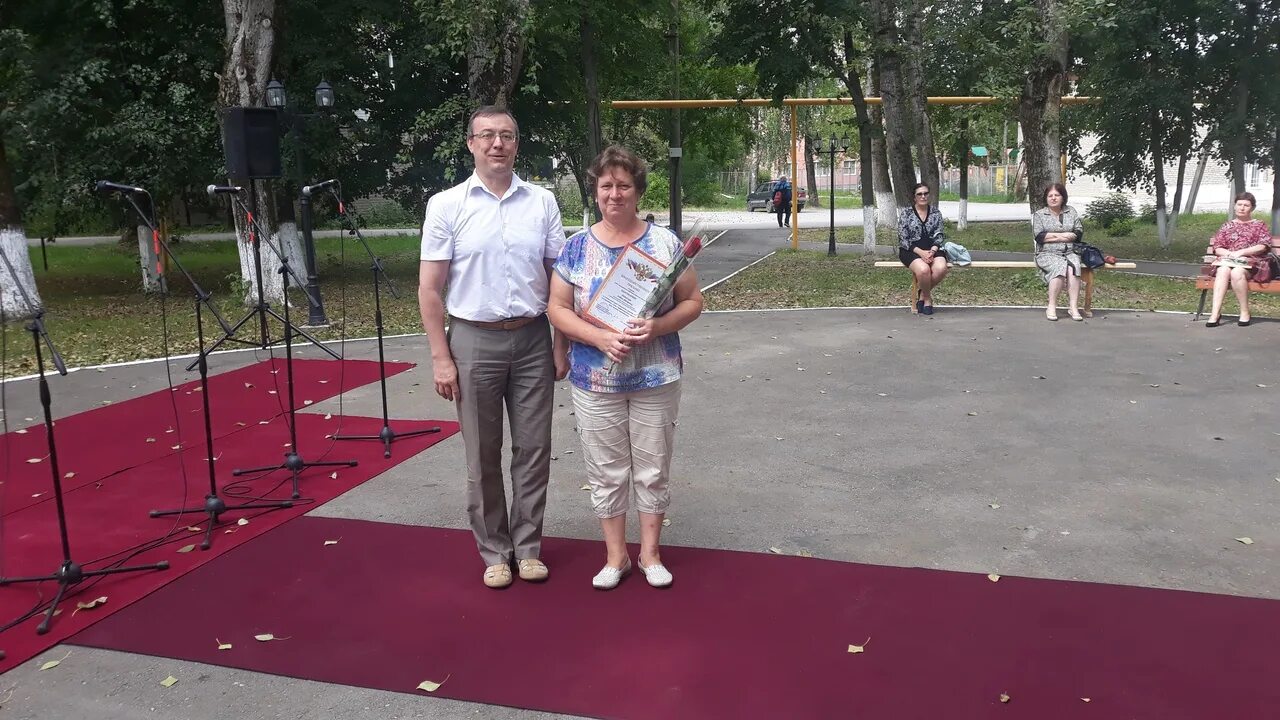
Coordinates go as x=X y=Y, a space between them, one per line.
x=98 y=442
x=739 y=635
x=112 y=516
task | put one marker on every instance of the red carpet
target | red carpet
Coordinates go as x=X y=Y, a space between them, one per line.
x=740 y=635
x=96 y=443
x=112 y=517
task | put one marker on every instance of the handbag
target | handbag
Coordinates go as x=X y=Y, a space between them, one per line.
x=1267 y=268
x=1090 y=256
x=957 y=253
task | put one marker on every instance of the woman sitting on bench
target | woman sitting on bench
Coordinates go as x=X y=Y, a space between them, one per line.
x=1240 y=240
x=1057 y=229
x=920 y=246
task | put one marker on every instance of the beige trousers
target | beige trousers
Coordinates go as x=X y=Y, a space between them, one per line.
x=511 y=368
x=627 y=441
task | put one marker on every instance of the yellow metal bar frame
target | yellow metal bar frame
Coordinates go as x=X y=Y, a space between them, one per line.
x=795 y=183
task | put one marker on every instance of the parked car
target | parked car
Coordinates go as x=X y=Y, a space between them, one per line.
x=762 y=197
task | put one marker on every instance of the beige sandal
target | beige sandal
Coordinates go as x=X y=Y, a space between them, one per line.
x=497 y=576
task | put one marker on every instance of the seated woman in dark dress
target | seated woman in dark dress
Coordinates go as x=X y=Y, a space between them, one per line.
x=920 y=246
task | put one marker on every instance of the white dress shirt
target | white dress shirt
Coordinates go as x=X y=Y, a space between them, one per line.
x=496 y=247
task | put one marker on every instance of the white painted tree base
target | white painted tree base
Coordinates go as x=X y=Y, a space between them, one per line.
x=886 y=209
x=13 y=242
x=964 y=214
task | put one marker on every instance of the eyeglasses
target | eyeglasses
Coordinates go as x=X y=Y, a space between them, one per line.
x=922 y=194
x=489 y=135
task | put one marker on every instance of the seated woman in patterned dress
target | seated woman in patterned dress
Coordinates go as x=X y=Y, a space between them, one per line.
x=1057 y=229
x=920 y=246
x=1241 y=238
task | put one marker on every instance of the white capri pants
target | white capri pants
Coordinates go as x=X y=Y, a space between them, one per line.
x=627 y=440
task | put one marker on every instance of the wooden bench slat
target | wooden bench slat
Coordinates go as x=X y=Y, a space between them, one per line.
x=1009 y=264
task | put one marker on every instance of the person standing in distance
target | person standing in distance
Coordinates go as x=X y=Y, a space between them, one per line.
x=493 y=239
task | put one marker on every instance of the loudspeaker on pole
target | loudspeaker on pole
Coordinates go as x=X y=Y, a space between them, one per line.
x=251 y=139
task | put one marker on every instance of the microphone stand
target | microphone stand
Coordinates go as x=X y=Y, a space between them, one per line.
x=70 y=572
x=214 y=506
x=261 y=310
x=293 y=461
x=387 y=435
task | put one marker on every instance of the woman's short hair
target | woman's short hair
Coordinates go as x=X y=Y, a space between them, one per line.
x=1253 y=201
x=616 y=157
x=919 y=185
x=1062 y=190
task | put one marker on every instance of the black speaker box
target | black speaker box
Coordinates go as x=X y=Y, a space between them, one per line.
x=251 y=138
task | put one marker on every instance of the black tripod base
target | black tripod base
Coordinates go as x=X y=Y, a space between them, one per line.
x=70 y=574
x=388 y=436
x=213 y=509
x=294 y=463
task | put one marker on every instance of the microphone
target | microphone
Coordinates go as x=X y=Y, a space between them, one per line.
x=318 y=186
x=217 y=189
x=108 y=186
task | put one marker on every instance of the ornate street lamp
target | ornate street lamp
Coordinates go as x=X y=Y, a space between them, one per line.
x=833 y=146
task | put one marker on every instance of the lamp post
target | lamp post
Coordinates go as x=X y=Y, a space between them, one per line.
x=276 y=98
x=833 y=145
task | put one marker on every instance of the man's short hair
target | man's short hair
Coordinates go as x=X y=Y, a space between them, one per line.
x=490 y=111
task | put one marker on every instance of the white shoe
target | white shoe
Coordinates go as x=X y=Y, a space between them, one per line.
x=657 y=575
x=609 y=577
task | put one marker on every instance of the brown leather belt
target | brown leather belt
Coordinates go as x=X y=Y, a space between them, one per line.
x=508 y=324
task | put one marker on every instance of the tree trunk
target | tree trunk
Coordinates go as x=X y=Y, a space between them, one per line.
x=914 y=77
x=591 y=84
x=897 y=118
x=1176 y=206
x=1236 y=140
x=149 y=259
x=1197 y=179
x=14 y=304
x=886 y=208
x=1157 y=166
x=810 y=165
x=865 y=133
x=495 y=53
x=1040 y=106
x=250 y=46
x=962 y=153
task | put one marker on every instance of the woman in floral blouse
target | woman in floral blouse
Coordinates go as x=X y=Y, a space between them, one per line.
x=920 y=242
x=1243 y=239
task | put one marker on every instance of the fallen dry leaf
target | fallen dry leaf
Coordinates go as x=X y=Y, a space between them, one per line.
x=186 y=548
x=265 y=637
x=91 y=604
x=775 y=551
x=666 y=522
x=330 y=542
x=151 y=440
x=242 y=522
x=333 y=475
x=588 y=487
x=69 y=475
x=55 y=663
x=328 y=416
x=1004 y=697
x=222 y=645
x=430 y=686
x=855 y=649
x=994 y=506
x=193 y=528
x=993 y=577
x=1086 y=699
x=35 y=460
x=1245 y=540
x=973 y=414
x=169 y=682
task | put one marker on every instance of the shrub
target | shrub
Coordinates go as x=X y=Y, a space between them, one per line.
x=1147 y=213
x=1119 y=228
x=1109 y=209
x=570 y=201
x=658 y=194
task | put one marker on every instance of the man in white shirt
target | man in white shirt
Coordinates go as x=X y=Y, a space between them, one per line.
x=494 y=238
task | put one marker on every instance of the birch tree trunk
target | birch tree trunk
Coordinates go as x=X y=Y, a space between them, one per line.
x=1040 y=104
x=250 y=47
x=13 y=243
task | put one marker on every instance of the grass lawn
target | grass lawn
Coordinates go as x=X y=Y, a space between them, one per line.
x=811 y=279
x=1194 y=232
x=97 y=314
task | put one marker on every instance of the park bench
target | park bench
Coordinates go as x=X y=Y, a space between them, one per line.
x=1204 y=283
x=1086 y=277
